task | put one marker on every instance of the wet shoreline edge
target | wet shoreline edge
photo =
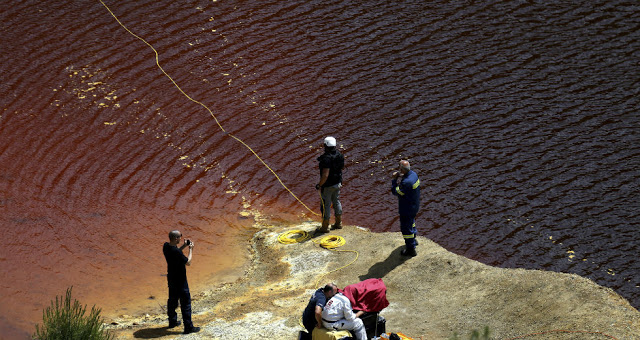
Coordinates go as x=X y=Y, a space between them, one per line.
x=432 y=295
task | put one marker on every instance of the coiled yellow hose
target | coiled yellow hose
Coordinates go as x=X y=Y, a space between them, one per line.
x=293 y=236
x=331 y=242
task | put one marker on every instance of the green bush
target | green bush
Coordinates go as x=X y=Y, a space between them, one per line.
x=66 y=320
x=475 y=335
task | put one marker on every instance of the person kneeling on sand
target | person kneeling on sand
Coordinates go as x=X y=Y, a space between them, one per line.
x=337 y=315
x=312 y=316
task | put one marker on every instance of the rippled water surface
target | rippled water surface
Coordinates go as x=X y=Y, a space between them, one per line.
x=521 y=118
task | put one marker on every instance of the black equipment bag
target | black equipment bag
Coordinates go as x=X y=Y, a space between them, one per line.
x=374 y=324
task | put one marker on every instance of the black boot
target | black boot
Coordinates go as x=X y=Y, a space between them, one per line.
x=191 y=329
x=324 y=229
x=338 y=224
x=409 y=252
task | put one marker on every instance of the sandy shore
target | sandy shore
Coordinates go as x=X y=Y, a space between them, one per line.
x=431 y=295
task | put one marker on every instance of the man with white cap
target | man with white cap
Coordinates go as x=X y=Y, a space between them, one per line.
x=331 y=163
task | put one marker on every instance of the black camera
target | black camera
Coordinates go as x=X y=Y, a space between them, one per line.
x=188 y=242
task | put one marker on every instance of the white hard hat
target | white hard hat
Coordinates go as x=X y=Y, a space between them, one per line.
x=330 y=141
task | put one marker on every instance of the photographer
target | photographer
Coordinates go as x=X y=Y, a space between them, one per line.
x=177 y=279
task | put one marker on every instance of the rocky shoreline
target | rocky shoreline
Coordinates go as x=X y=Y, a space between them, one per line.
x=432 y=295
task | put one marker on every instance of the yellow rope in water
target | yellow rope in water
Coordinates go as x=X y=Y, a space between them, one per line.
x=206 y=107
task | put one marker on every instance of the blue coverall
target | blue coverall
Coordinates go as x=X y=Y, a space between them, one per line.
x=408 y=192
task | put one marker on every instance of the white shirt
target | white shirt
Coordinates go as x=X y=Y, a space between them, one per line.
x=337 y=308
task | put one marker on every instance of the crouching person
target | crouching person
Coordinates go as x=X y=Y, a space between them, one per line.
x=312 y=316
x=337 y=314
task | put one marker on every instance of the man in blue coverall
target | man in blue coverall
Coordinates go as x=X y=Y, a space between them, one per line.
x=406 y=185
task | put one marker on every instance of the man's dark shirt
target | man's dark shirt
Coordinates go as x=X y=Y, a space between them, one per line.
x=334 y=161
x=309 y=315
x=176 y=261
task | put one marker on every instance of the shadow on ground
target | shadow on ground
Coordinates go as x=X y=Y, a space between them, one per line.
x=381 y=269
x=152 y=333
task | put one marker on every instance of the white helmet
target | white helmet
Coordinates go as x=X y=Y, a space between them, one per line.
x=330 y=141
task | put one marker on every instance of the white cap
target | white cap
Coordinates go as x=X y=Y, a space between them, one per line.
x=330 y=141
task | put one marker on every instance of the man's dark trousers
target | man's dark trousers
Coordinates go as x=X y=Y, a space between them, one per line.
x=179 y=291
x=408 y=229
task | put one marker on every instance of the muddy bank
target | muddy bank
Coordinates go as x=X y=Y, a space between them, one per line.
x=431 y=295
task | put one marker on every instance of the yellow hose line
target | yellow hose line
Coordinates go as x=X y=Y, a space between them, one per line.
x=335 y=270
x=331 y=242
x=293 y=236
x=299 y=236
x=206 y=107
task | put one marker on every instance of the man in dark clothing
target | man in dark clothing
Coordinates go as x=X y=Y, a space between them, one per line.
x=331 y=163
x=406 y=185
x=312 y=315
x=177 y=279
